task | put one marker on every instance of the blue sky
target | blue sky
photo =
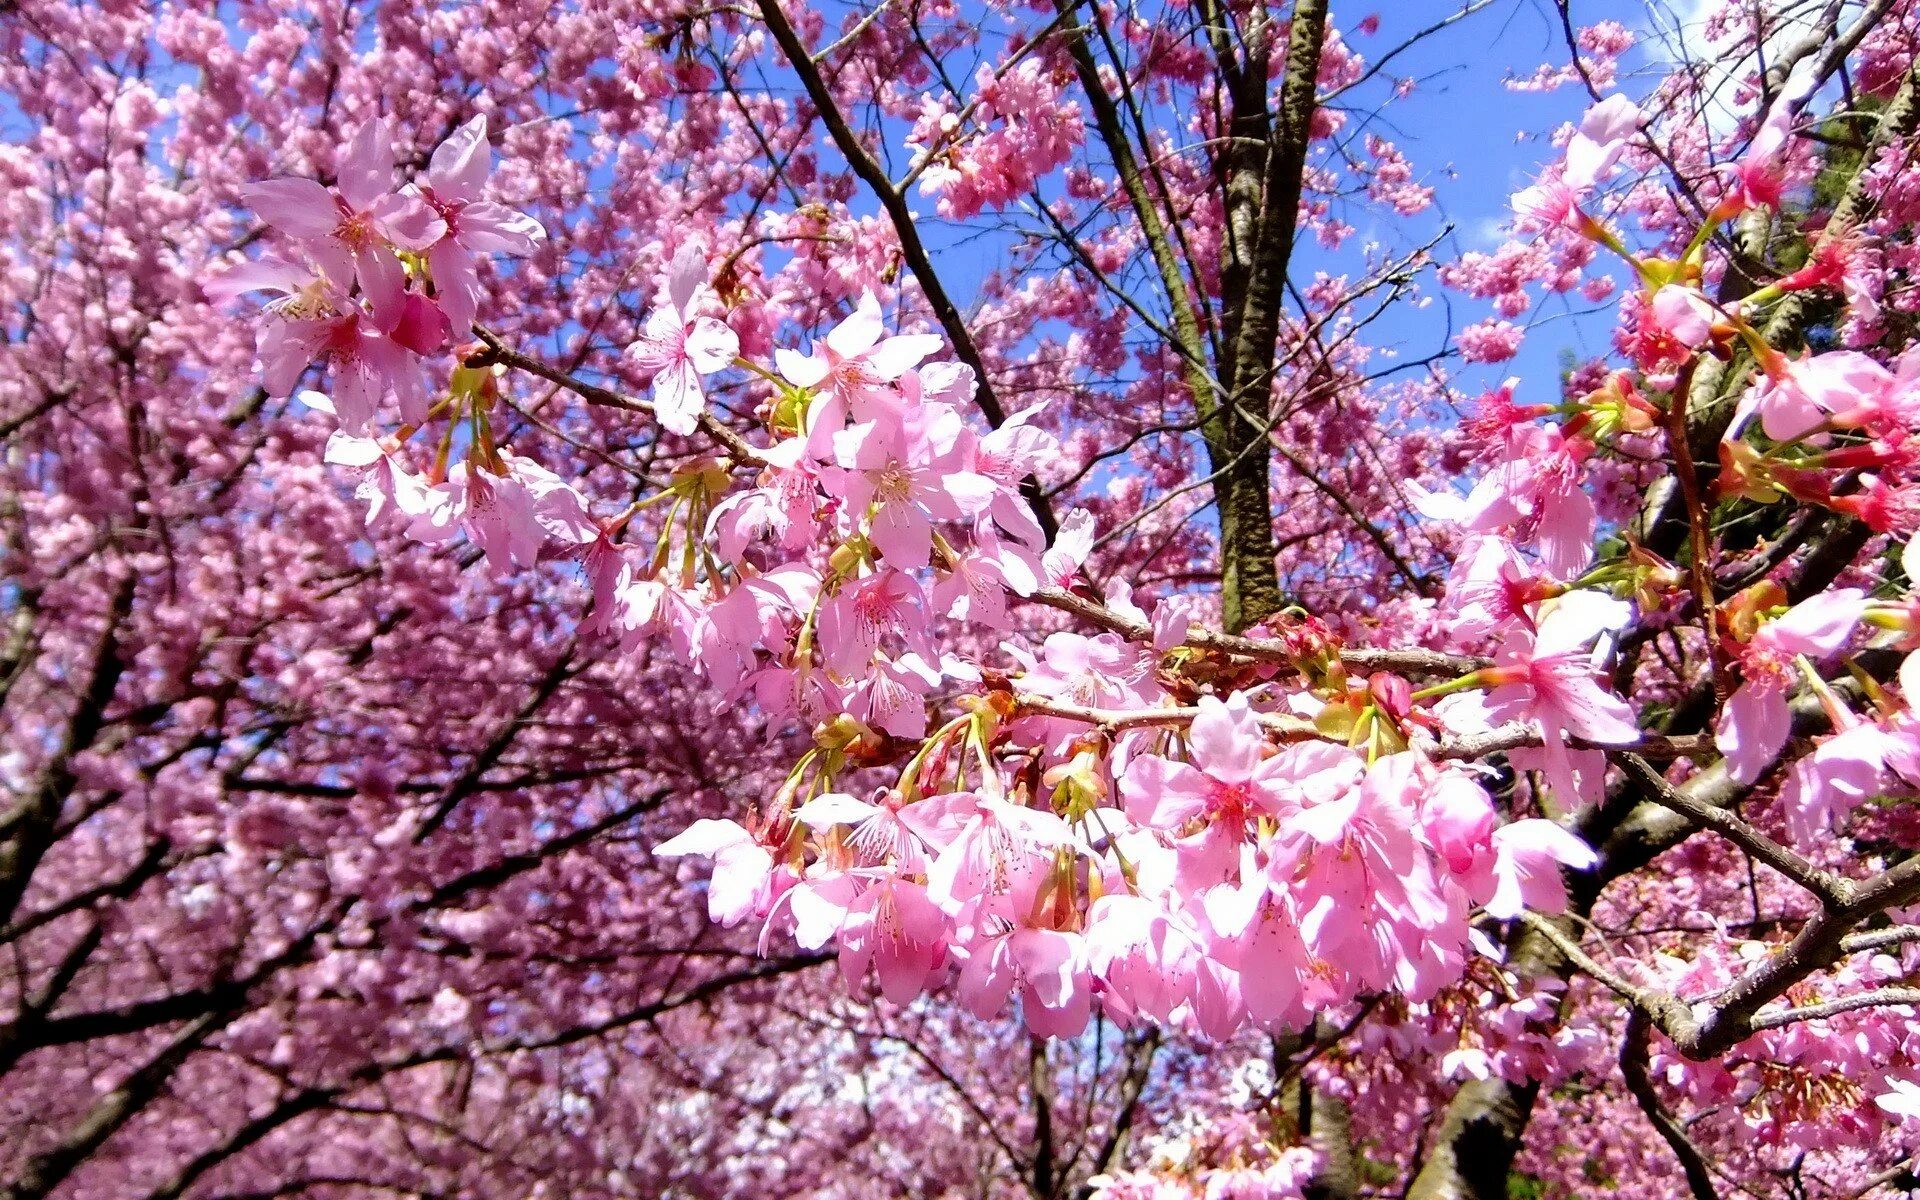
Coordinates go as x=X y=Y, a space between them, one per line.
x=1463 y=131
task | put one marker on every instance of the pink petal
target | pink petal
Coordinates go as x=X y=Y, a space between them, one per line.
x=455 y=283
x=834 y=808
x=677 y=398
x=300 y=207
x=739 y=878
x=1225 y=739
x=357 y=389
x=686 y=276
x=858 y=332
x=1163 y=793
x=385 y=282
x=1049 y=962
x=895 y=356
x=408 y=221
x=366 y=173
x=287 y=349
x=1753 y=730
x=902 y=533
x=819 y=909
x=703 y=837
x=490 y=228
x=1326 y=823
x=347 y=450
x=1576 y=619
x=1821 y=625
x=423 y=326
x=459 y=166
x=987 y=979
x=711 y=345
x=262 y=275
x=799 y=369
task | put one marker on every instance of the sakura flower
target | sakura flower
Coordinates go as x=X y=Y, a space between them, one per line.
x=1684 y=315
x=1007 y=456
x=1047 y=965
x=1598 y=142
x=974 y=588
x=364 y=364
x=897 y=929
x=1169 y=623
x=506 y=513
x=1547 y=204
x=653 y=606
x=1457 y=818
x=454 y=185
x=1492 y=587
x=385 y=474
x=893 y=695
x=1882 y=506
x=1256 y=933
x=903 y=475
x=1143 y=955
x=856 y=618
x=889 y=830
x=1757 y=722
x=1527 y=859
x=1534 y=496
x=352 y=229
x=607 y=568
x=851 y=364
x=1361 y=872
x=997 y=852
x=743 y=868
x=1843 y=772
x=310 y=319
x=739 y=620
x=678 y=347
x=1547 y=677
x=806 y=692
x=1060 y=565
x=1757 y=179
x=1207 y=802
x=1842 y=388
x=781 y=508
x=559 y=510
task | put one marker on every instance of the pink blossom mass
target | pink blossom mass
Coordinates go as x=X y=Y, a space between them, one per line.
x=1239 y=601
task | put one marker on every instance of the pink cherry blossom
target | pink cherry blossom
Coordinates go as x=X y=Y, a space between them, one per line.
x=896 y=928
x=679 y=347
x=743 y=882
x=1548 y=677
x=1528 y=856
x=386 y=477
x=854 y=365
x=454 y=186
x=1757 y=723
x=1534 y=496
x=353 y=229
x=1599 y=140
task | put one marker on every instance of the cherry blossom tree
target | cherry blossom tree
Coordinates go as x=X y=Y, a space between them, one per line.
x=565 y=636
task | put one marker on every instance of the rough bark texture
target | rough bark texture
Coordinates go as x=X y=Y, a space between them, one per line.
x=1228 y=367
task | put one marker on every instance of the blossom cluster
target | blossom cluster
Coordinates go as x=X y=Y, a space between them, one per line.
x=1086 y=821
x=1216 y=862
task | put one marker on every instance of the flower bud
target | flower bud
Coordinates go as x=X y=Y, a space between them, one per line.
x=1392 y=695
